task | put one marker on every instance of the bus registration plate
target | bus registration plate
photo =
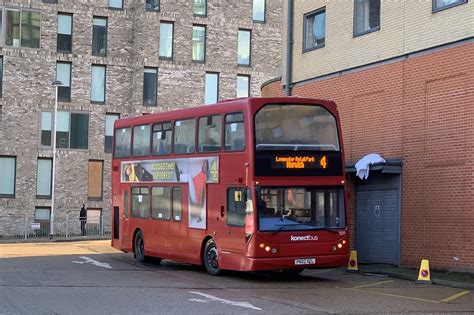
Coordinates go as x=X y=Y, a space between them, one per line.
x=306 y=261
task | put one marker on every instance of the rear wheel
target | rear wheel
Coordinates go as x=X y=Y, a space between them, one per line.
x=140 y=248
x=211 y=258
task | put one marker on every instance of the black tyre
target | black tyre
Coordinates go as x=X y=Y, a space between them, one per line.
x=140 y=248
x=211 y=258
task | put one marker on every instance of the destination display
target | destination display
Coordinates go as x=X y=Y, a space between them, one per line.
x=298 y=164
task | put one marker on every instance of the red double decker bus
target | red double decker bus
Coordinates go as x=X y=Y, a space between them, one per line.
x=246 y=184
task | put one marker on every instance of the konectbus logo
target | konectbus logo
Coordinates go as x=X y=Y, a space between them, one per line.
x=294 y=238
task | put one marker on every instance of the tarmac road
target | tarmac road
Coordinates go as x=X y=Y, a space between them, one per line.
x=91 y=277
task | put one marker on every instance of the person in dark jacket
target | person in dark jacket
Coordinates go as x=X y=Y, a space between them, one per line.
x=83 y=219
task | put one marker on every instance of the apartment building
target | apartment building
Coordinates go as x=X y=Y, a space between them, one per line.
x=111 y=59
x=402 y=74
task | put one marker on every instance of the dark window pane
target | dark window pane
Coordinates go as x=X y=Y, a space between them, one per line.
x=108 y=143
x=152 y=5
x=79 y=131
x=99 y=37
x=64 y=93
x=123 y=142
x=30 y=29
x=149 y=87
x=236 y=203
x=64 y=43
x=62 y=139
x=46 y=137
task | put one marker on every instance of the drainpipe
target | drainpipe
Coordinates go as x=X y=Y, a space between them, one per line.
x=289 y=48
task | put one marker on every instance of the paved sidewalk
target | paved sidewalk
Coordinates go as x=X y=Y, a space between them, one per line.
x=463 y=280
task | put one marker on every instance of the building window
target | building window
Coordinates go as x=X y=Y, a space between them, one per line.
x=63 y=74
x=64 y=41
x=366 y=16
x=1 y=72
x=98 y=84
x=43 y=180
x=209 y=136
x=161 y=203
x=46 y=128
x=99 y=36
x=116 y=4
x=166 y=40
x=150 y=82
x=243 y=55
x=43 y=217
x=200 y=7
x=94 y=221
x=95 y=180
x=199 y=43
x=212 y=88
x=109 y=130
x=258 y=10
x=243 y=85
x=314 y=29
x=439 y=5
x=22 y=28
x=152 y=5
x=8 y=178
x=72 y=130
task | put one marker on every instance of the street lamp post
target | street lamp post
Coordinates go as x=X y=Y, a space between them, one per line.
x=56 y=83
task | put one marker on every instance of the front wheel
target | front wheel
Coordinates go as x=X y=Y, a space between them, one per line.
x=211 y=258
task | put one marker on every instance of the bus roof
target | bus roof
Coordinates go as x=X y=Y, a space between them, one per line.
x=225 y=106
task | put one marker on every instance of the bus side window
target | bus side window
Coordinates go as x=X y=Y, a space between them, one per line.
x=236 y=205
x=141 y=140
x=234 y=132
x=123 y=142
x=184 y=136
x=161 y=140
x=125 y=203
x=177 y=203
x=209 y=136
x=161 y=203
x=140 y=202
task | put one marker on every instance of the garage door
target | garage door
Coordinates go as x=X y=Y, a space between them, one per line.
x=378 y=219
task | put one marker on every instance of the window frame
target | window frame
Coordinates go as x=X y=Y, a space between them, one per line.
x=63 y=86
x=155 y=94
x=243 y=192
x=264 y=12
x=171 y=123
x=205 y=44
x=217 y=87
x=199 y=132
x=115 y=142
x=153 y=10
x=11 y=196
x=105 y=83
x=435 y=9
x=98 y=54
x=237 y=85
x=116 y=8
x=305 y=17
x=374 y=29
x=174 y=136
x=249 y=47
x=132 y=194
x=149 y=137
x=57 y=33
x=205 y=10
x=50 y=178
x=172 y=41
x=107 y=150
x=170 y=201
x=224 y=133
x=40 y=144
x=70 y=112
x=3 y=26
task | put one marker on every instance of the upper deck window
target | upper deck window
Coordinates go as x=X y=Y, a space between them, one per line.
x=184 y=136
x=295 y=127
x=141 y=140
x=210 y=133
x=234 y=132
x=123 y=142
x=161 y=142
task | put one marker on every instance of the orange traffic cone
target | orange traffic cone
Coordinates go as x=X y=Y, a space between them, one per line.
x=352 y=266
x=424 y=275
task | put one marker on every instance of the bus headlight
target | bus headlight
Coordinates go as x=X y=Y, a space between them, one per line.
x=339 y=245
x=262 y=245
x=267 y=248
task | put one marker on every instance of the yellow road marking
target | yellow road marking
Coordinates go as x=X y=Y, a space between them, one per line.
x=392 y=295
x=371 y=284
x=455 y=296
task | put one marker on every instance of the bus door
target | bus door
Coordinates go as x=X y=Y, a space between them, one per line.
x=125 y=221
x=233 y=239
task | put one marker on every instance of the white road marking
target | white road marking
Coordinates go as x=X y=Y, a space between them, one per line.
x=91 y=261
x=197 y=300
x=223 y=301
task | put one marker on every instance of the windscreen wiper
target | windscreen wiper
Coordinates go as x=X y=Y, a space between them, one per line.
x=283 y=226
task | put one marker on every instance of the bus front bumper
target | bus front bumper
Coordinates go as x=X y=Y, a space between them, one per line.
x=276 y=263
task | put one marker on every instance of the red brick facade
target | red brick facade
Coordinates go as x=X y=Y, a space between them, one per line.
x=421 y=110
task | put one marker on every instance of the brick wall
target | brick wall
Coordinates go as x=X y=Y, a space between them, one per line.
x=419 y=110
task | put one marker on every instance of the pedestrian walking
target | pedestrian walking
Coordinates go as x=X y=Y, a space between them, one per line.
x=83 y=219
